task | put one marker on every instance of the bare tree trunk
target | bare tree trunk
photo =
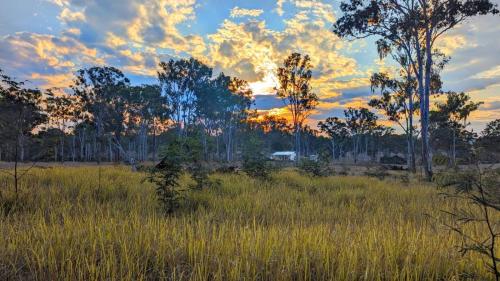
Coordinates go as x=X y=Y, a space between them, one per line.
x=16 y=159
x=426 y=161
x=73 y=152
x=155 y=145
x=297 y=143
x=411 y=145
x=333 y=149
x=62 y=148
x=454 y=153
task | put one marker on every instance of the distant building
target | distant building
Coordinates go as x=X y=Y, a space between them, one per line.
x=283 y=156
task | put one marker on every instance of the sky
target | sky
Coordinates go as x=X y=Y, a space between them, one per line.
x=46 y=41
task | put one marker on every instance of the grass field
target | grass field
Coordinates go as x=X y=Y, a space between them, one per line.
x=293 y=228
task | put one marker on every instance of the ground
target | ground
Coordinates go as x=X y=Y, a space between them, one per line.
x=294 y=227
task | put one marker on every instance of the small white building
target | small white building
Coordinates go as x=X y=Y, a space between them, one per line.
x=284 y=156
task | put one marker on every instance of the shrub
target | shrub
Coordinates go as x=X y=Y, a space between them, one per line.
x=379 y=173
x=314 y=168
x=480 y=189
x=440 y=159
x=257 y=167
x=165 y=175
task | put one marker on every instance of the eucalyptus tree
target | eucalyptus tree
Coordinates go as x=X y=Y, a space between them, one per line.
x=179 y=82
x=102 y=93
x=21 y=112
x=397 y=103
x=412 y=27
x=492 y=129
x=452 y=116
x=146 y=113
x=222 y=106
x=361 y=123
x=489 y=140
x=338 y=132
x=295 y=90
x=63 y=114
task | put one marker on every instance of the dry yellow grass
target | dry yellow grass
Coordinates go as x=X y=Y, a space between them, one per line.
x=295 y=228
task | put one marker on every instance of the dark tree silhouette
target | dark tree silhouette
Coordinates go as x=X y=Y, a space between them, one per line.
x=20 y=114
x=338 y=132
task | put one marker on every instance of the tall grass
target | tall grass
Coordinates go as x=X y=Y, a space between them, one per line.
x=293 y=228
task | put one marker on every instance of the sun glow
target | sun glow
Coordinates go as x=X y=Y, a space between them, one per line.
x=269 y=82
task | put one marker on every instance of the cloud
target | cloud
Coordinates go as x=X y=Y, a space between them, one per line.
x=493 y=72
x=134 y=35
x=254 y=51
x=238 y=12
x=39 y=56
x=279 y=7
x=67 y=15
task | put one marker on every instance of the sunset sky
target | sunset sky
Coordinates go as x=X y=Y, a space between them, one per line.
x=45 y=41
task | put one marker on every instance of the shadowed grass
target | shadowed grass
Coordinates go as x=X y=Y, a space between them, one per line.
x=293 y=228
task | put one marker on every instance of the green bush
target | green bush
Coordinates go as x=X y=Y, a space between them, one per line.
x=314 y=168
x=440 y=159
x=257 y=167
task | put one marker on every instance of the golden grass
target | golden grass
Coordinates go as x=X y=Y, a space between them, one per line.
x=295 y=228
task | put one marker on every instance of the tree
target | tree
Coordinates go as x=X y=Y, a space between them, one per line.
x=452 y=117
x=338 y=132
x=492 y=129
x=480 y=190
x=146 y=113
x=397 y=103
x=360 y=122
x=62 y=110
x=413 y=27
x=222 y=105
x=20 y=113
x=179 y=82
x=295 y=91
x=101 y=91
x=489 y=140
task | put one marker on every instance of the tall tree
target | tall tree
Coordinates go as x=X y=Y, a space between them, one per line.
x=296 y=92
x=179 y=81
x=397 y=101
x=222 y=106
x=21 y=113
x=413 y=27
x=146 y=111
x=62 y=110
x=102 y=93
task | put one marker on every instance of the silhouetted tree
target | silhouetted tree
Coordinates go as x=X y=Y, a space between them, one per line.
x=360 y=122
x=338 y=132
x=20 y=114
x=295 y=91
x=451 y=116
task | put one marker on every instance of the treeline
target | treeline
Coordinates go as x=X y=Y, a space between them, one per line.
x=103 y=117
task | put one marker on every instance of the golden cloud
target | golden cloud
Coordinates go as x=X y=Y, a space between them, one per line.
x=238 y=12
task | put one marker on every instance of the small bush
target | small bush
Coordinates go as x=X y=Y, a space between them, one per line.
x=379 y=173
x=257 y=167
x=440 y=159
x=314 y=168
